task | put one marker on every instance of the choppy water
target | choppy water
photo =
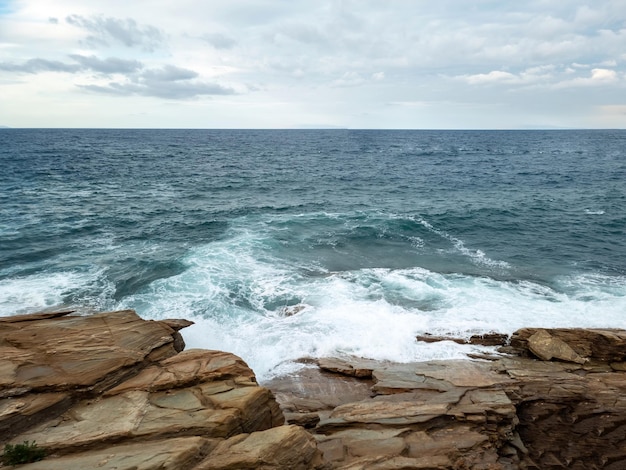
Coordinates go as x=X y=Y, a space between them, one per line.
x=375 y=235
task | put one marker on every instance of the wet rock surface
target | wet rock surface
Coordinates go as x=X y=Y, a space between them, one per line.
x=114 y=391
x=513 y=411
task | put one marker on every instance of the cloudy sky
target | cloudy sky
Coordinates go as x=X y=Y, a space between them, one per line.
x=313 y=63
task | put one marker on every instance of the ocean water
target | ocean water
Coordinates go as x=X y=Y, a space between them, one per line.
x=281 y=245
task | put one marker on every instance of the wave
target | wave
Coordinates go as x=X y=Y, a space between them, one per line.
x=88 y=291
x=279 y=287
x=272 y=308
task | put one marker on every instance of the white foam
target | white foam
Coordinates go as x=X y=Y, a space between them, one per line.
x=46 y=291
x=477 y=256
x=236 y=293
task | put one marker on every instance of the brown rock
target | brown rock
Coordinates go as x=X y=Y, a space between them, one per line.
x=168 y=396
x=313 y=390
x=169 y=454
x=145 y=407
x=88 y=353
x=353 y=367
x=213 y=409
x=546 y=347
x=188 y=367
x=489 y=339
x=306 y=420
x=486 y=339
x=606 y=345
x=284 y=447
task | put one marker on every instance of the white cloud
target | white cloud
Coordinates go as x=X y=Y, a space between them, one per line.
x=491 y=77
x=604 y=75
x=598 y=77
x=103 y=30
x=328 y=61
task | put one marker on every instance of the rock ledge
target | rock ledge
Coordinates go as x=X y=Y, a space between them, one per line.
x=113 y=391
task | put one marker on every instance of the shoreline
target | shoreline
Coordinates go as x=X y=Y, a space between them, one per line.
x=124 y=392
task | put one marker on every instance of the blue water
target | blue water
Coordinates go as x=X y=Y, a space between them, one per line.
x=373 y=236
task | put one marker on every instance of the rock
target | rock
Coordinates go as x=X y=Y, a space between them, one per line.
x=48 y=361
x=187 y=368
x=510 y=412
x=284 y=447
x=35 y=316
x=353 y=367
x=489 y=339
x=428 y=338
x=546 y=347
x=606 y=345
x=306 y=420
x=168 y=454
x=292 y=310
x=312 y=390
x=85 y=353
x=486 y=339
x=111 y=391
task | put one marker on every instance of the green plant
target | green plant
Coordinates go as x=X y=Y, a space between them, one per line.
x=22 y=453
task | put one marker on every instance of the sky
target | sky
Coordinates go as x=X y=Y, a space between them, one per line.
x=361 y=64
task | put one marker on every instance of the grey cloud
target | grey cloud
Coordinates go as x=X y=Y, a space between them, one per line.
x=169 y=90
x=169 y=73
x=39 y=65
x=106 y=66
x=109 y=65
x=168 y=82
x=219 y=41
x=125 y=31
x=53 y=20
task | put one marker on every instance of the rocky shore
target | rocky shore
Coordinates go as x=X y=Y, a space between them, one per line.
x=113 y=391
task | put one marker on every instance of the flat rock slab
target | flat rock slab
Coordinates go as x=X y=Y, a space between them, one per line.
x=284 y=447
x=111 y=391
x=312 y=390
x=214 y=408
x=186 y=368
x=169 y=454
x=70 y=352
x=606 y=345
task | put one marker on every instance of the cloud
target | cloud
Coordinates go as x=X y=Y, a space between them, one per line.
x=168 y=73
x=598 y=77
x=125 y=31
x=175 y=91
x=219 y=41
x=349 y=79
x=39 y=65
x=491 y=77
x=107 y=66
x=531 y=75
x=82 y=63
x=548 y=76
x=326 y=61
x=168 y=82
x=604 y=75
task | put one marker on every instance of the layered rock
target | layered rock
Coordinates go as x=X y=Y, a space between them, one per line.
x=114 y=391
x=513 y=411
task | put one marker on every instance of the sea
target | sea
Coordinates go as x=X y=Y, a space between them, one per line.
x=282 y=245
